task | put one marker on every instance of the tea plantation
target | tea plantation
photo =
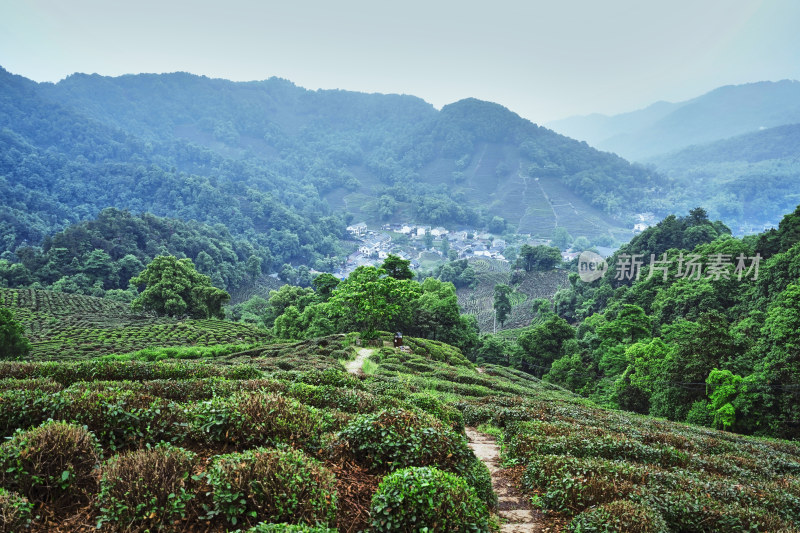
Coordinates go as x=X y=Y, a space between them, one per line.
x=279 y=437
x=69 y=326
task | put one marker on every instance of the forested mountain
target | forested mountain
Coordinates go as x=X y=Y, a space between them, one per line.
x=722 y=113
x=270 y=150
x=58 y=167
x=100 y=256
x=747 y=180
x=706 y=332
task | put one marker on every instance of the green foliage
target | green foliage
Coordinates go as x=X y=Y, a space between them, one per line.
x=15 y=511
x=429 y=499
x=282 y=485
x=48 y=463
x=13 y=343
x=369 y=300
x=397 y=267
x=479 y=479
x=255 y=418
x=146 y=488
x=173 y=287
x=396 y=438
x=502 y=304
x=544 y=343
x=538 y=257
x=288 y=528
x=619 y=515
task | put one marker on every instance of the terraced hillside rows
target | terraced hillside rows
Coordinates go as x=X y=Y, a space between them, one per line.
x=489 y=272
x=67 y=326
x=280 y=437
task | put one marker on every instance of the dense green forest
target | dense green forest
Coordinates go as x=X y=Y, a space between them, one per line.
x=749 y=180
x=715 y=344
x=706 y=333
x=99 y=257
x=287 y=168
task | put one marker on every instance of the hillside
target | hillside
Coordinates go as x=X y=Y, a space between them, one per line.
x=336 y=443
x=749 y=179
x=665 y=127
x=59 y=167
x=479 y=300
x=68 y=326
x=273 y=161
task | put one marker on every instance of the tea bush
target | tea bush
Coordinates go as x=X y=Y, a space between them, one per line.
x=396 y=438
x=619 y=515
x=31 y=384
x=478 y=477
x=15 y=511
x=24 y=408
x=426 y=499
x=121 y=418
x=146 y=488
x=282 y=485
x=444 y=412
x=255 y=418
x=49 y=462
x=328 y=396
x=608 y=446
x=573 y=484
x=288 y=528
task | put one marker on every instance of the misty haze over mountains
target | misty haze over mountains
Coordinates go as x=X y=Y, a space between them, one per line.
x=666 y=127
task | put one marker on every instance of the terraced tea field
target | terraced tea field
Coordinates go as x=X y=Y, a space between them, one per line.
x=67 y=326
x=480 y=301
x=176 y=445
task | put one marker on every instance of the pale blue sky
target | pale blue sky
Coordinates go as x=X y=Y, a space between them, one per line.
x=543 y=59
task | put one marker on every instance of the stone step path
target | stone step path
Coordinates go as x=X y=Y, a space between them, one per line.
x=513 y=507
x=354 y=366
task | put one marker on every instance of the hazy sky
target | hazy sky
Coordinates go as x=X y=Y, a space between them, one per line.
x=542 y=59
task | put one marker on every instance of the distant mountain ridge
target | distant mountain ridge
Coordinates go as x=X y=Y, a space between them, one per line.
x=278 y=159
x=665 y=127
x=746 y=179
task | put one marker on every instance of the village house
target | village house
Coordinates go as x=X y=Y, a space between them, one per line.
x=357 y=230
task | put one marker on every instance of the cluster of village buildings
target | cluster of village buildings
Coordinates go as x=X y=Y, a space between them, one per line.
x=377 y=245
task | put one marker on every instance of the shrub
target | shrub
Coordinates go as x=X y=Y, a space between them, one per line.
x=426 y=499
x=24 y=408
x=256 y=418
x=289 y=528
x=444 y=412
x=478 y=477
x=49 y=461
x=574 y=484
x=146 y=487
x=396 y=438
x=605 y=446
x=327 y=396
x=619 y=515
x=15 y=511
x=13 y=343
x=282 y=485
x=122 y=418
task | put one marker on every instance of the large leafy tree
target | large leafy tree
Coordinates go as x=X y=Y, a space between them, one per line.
x=397 y=267
x=173 y=287
x=544 y=343
x=502 y=302
x=371 y=299
x=538 y=257
x=781 y=363
x=13 y=343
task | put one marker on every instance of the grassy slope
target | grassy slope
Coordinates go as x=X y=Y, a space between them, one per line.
x=567 y=454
